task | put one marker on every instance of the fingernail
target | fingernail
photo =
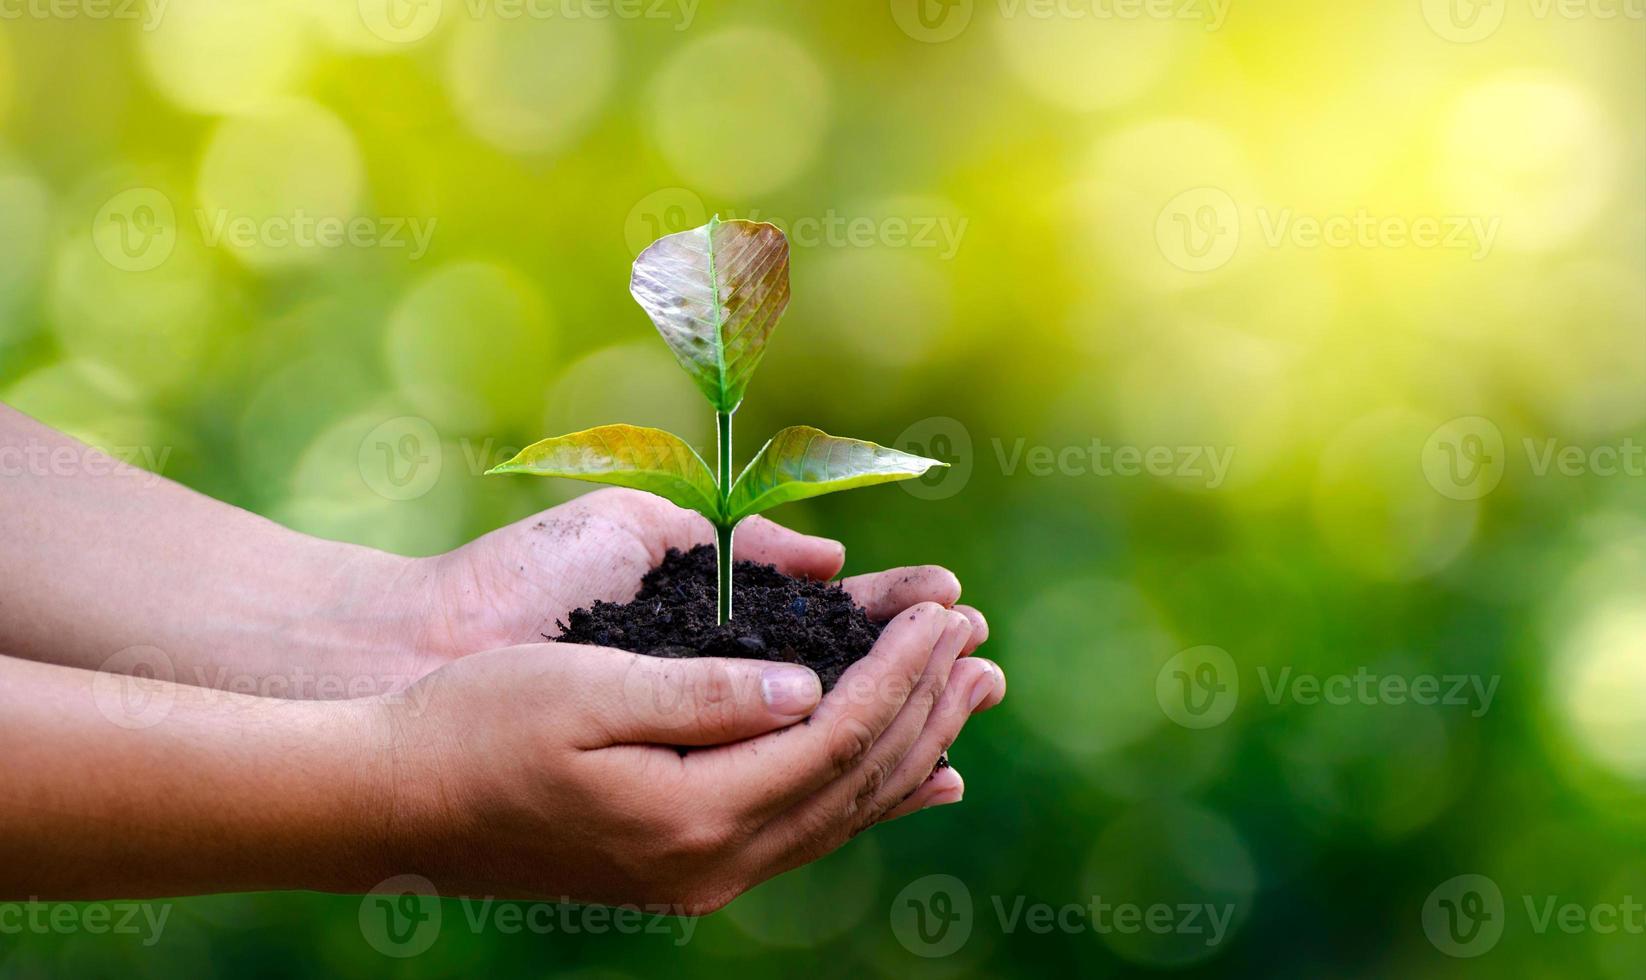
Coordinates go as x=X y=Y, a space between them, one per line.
x=947 y=795
x=984 y=685
x=790 y=690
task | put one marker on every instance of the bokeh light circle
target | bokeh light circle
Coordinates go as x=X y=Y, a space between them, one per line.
x=267 y=176
x=152 y=326
x=1165 y=859
x=226 y=56
x=740 y=112
x=833 y=891
x=1058 y=697
x=1091 y=62
x=1163 y=203
x=27 y=205
x=1376 y=509
x=1535 y=154
x=532 y=84
x=469 y=346
x=638 y=384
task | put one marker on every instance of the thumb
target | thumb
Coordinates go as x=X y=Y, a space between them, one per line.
x=703 y=701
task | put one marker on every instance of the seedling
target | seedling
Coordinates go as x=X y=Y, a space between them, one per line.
x=715 y=294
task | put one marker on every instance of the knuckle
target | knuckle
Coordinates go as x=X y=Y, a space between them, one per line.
x=875 y=776
x=849 y=742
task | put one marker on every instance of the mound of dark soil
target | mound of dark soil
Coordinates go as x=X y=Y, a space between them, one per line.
x=774 y=617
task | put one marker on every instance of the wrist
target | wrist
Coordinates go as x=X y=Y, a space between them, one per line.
x=368 y=620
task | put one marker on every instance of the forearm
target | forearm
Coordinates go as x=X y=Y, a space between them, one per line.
x=119 y=787
x=99 y=557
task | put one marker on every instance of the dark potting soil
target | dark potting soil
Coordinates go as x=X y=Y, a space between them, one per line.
x=774 y=617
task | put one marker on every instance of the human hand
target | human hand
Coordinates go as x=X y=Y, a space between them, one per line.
x=513 y=585
x=550 y=770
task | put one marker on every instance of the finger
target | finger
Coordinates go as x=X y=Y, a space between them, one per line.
x=861 y=797
x=634 y=699
x=972 y=682
x=980 y=628
x=766 y=776
x=802 y=555
x=757 y=539
x=998 y=694
x=945 y=786
x=885 y=594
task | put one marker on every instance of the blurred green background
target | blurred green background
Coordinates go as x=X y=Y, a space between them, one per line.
x=1280 y=348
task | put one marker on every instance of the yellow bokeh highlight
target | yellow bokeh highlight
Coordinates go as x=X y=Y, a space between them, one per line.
x=226 y=56
x=1374 y=507
x=27 y=207
x=153 y=325
x=1162 y=203
x=530 y=85
x=1533 y=151
x=267 y=177
x=470 y=347
x=1092 y=62
x=706 y=95
x=636 y=384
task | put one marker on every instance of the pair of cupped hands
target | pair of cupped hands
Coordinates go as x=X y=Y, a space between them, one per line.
x=570 y=757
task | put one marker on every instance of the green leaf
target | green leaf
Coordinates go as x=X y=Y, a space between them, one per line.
x=715 y=293
x=625 y=456
x=801 y=462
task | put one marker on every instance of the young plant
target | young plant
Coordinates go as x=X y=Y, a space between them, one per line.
x=715 y=293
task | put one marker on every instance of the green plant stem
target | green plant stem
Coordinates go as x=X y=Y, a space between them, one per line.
x=724 y=530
